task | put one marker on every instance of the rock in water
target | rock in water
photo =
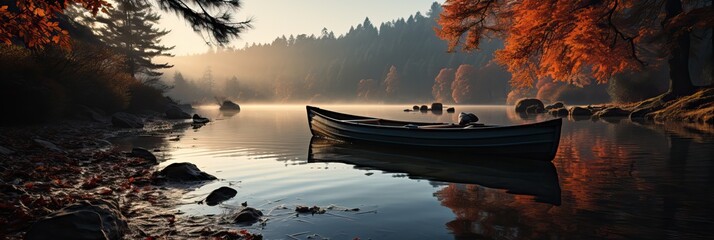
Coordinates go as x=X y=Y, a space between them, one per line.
x=523 y=104
x=613 y=112
x=175 y=112
x=184 y=172
x=450 y=110
x=560 y=112
x=220 y=195
x=466 y=118
x=143 y=153
x=200 y=120
x=437 y=107
x=580 y=111
x=424 y=108
x=415 y=107
x=229 y=106
x=555 y=106
x=84 y=220
x=126 y=120
x=248 y=215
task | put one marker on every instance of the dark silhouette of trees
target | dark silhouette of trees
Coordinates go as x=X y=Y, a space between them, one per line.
x=129 y=29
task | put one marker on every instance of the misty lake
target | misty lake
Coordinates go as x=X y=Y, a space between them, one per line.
x=610 y=179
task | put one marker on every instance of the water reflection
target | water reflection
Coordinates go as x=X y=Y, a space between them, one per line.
x=517 y=176
x=609 y=180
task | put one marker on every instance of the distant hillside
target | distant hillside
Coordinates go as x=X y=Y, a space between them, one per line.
x=397 y=61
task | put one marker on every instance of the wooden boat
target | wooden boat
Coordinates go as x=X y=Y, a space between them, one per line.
x=537 y=141
x=517 y=176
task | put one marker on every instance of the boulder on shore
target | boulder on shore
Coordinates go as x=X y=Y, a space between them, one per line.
x=220 y=195
x=144 y=154
x=580 y=111
x=184 y=172
x=523 y=105
x=175 y=112
x=229 y=106
x=613 y=112
x=126 y=120
x=97 y=220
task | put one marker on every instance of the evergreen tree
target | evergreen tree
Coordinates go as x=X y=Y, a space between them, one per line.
x=129 y=29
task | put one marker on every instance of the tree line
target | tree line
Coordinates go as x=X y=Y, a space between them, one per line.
x=396 y=61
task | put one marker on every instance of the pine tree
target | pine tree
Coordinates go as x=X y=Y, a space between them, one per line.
x=129 y=29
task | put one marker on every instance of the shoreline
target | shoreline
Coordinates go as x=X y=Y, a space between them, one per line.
x=48 y=167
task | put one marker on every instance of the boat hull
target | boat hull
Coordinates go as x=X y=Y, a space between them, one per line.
x=537 y=141
x=533 y=178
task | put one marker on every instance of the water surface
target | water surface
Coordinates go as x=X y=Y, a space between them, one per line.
x=613 y=179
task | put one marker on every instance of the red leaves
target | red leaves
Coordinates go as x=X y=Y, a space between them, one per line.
x=34 y=22
x=92 y=182
x=557 y=40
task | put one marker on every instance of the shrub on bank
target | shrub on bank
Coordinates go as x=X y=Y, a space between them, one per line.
x=40 y=85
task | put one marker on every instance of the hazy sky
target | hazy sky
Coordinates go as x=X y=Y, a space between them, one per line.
x=273 y=18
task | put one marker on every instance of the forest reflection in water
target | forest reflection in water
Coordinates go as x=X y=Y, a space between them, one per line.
x=610 y=179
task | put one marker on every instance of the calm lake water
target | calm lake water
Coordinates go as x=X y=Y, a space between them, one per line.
x=608 y=180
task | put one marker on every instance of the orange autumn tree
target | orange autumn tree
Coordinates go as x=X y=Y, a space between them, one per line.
x=36 y=23
x=577 y=41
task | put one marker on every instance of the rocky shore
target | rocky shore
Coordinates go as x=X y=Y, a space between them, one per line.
x=697 y=108
x=65 y=180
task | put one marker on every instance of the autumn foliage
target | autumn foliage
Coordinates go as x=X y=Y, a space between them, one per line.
x=35 y=22
x=569 y=41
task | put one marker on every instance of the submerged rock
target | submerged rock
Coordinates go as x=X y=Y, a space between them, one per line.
x=126 y=120
x=248 y=215
x=84 y=220
x=312 y=210
x=523 y=104
x=184 y=172
x=220 y=195
x=144 y=154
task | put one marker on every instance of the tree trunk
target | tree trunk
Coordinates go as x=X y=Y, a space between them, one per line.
x=680 y=82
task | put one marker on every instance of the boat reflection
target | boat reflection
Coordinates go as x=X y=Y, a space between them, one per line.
x=518 y=176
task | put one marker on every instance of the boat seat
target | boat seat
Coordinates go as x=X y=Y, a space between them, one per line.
x=374 y=121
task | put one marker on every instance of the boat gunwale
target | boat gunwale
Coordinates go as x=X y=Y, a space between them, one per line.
x=317 y=110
